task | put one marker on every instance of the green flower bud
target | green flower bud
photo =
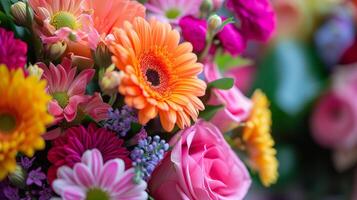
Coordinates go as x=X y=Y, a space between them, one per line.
x=18 y=177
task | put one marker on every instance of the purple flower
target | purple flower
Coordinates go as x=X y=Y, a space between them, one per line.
x=45 y=193
x=147 y=155
x=120 y=121
x=36 y=177
x=257 y=18
x=26 y=162
x=194 y=30
x=11 y=193
x=12 y=51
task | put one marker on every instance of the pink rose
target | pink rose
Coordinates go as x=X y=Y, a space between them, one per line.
x=237 y=106
x=200 y=166
x=334 y=121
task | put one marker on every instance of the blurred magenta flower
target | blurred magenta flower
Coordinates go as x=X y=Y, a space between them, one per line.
x=200 y=166
x=334 y=120
x=232 y=40
x=257 y=18
x=12 y=51
x=243 y=76
x=194 y=30
x=172 y=10
x=237 y=106
x=92 y=178
x=66 y=88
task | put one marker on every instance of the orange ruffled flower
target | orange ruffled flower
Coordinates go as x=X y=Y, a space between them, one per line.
x=159 y=74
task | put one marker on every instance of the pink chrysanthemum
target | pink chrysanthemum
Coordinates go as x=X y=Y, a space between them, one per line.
x=67 y=89
x=68 y=149
x=172 y=10
x=12 y=51
x=93 y=179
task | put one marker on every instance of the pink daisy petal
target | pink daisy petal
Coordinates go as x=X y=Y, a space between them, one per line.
x=110 y=173
x=79 y=85
x=83 y=176
x=70 y=112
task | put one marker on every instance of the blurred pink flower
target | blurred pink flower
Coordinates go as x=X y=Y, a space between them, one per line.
x=217 y=4
x=93 y=179
x=12 y=51
x=172 y=10
x=244 y=77
x=334 y=120
x=237 y=106
x=257 y=18
x=67 y=89
x=200 y=166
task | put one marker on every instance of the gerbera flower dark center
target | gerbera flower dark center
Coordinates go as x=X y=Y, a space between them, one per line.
x=7 y=123
x=153 y=77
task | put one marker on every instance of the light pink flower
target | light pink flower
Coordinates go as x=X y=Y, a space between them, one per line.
x=58 y=20
x=334 y=120
x=91 y=178
x=172 y=10
x=237 y=106
x=201 y=165
x=66 y=88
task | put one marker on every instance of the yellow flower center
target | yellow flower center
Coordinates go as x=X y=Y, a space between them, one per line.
x=62 y=98
x=172 y=13
x=97 y=193
x=64 y=19
x=7 y=123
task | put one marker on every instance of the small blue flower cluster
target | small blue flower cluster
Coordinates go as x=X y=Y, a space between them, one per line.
x=120 y=121
x=147 y=155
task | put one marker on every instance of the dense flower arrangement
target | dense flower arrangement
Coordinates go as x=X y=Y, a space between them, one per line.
x=124 y=99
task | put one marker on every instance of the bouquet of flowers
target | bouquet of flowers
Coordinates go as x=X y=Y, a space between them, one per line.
x=125 y=99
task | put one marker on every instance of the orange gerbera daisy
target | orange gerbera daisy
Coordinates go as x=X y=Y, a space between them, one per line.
x=159 y=74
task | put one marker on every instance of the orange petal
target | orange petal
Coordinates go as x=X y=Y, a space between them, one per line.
x=168 y=119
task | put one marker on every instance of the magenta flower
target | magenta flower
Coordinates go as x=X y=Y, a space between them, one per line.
x=12 y=51
x=94 y=179
x=67 y=89
x=258 y=19
x=95 y=108
x=194 y=30
x=172 y=10
x=68 y=149
x=232 y=40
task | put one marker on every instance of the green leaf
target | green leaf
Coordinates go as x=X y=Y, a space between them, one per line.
x=226 y=61
x=135 y=127
x=223 y=83
x=5 y=6
x=210 y=111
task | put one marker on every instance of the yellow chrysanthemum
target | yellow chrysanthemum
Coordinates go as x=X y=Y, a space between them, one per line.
x=259 y=142
x=23 y=116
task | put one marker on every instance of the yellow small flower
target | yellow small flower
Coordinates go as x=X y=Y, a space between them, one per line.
x=23 y=116
x=259 y=142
